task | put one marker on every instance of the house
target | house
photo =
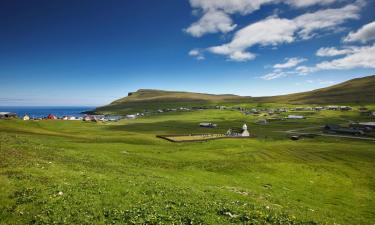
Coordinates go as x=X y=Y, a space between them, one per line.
x=86 y=118
x=5 y=115
x=235 y=132
x=65 y=118
x=295 y=117
x=208 y=125
x=333 y=107
x=130 y=116
x=345 y=108
x=52 y=117
x=336 y=129
x=26 y=117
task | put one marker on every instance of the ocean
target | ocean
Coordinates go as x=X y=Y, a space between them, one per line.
x=43 y=111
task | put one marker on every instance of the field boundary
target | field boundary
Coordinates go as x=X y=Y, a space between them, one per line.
x=169 y=137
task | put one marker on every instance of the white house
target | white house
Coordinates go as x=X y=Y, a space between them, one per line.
x=295 y=117
x=131 y=116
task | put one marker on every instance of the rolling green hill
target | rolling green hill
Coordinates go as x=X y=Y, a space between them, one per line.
x=359 y=90
x=356 y=91
x=155 y=99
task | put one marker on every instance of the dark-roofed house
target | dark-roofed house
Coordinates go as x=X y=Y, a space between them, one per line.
x=5 y=115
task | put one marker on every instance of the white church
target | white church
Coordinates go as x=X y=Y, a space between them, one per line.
x=235 y=132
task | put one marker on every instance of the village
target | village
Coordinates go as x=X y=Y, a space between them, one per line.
x=264 y=115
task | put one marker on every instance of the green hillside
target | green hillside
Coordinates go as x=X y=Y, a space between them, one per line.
x=155 y=99
x=360 y=90
x=356 y=91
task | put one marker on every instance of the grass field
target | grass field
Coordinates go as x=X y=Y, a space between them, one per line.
x=72 y=172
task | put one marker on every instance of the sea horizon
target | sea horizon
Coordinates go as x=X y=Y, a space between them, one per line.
x=44 y=111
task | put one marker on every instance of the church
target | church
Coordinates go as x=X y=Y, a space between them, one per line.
x=235 y=132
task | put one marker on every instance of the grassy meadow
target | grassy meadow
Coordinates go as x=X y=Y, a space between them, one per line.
x=73 y=172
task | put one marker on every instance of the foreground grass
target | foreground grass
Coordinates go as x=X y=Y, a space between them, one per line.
x=85 y=173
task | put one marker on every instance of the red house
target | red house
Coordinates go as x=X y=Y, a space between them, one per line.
x=51 y=117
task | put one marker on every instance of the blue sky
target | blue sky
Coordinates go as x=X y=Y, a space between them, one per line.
x=89 y=52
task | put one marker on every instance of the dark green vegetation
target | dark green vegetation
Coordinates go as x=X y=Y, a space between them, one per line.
x=70 y=172
x=357 y=91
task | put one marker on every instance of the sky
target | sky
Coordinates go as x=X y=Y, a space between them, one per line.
x=91 y=52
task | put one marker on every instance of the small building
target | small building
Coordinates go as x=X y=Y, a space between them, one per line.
x=235 y=132
x=132 y=116
x=52 y=117
x=86 y=118
x=26 y=117
x=7 y=115
x=295 y=117
x=345 y=108
x=208 y=125
x=333 y=107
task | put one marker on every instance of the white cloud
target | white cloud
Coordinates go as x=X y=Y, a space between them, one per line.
x=274 y=75
x=305 y=3
x=271 y=31
x=304 y=70
x=331 y=51
x=277 y=73
x=216 y=13
x=325 y=19
x=291 y=62
x=356 y=57
x=197 y=53
x=213 y=21
x=364 y=34
x=274 y=30
x=229 y=6
x=363 y=57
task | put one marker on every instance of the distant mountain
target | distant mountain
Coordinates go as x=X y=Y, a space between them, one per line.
x=359 y=90
x=356 y=91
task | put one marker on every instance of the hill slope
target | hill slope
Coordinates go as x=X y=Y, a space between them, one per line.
x=155 y=99
x=355 y=91
x=359 y=90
